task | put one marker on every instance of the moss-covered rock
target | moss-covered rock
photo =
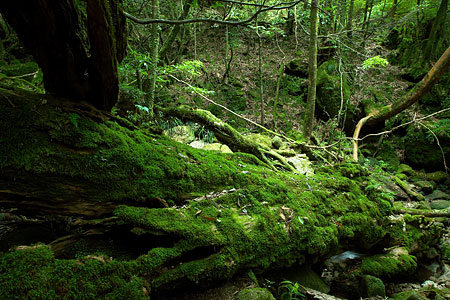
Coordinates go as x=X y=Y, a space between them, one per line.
x=402 y=176
x=388 y=155
x=18 y=68
x=406 y=169
x=306 y=277
x=329 y=93
x=440 y=204
x=446 y=251
x=297 y=67
x=438 y=177
x=425 y=186
x=260 y=138
x=422 y=150
x=302 y=164
x=34 y=273
x=438 y=194
x=372 y=286
x=217 y=147
x=389 y=266
x=276 y=142
x=409 y=295
x=254 y=294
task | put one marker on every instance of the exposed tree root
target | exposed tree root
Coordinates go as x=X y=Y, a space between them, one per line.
x=228 y=135
x=429 y=214
x=408 y=190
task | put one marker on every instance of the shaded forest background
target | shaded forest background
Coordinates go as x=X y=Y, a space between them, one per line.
x=160 y=148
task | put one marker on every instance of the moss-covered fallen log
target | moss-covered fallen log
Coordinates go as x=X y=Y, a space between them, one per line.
x=204 y=216
x=57 y=158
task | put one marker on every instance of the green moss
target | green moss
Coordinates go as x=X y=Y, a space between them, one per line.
x=35 y=274
x=308 y=278
x=151 y=165
x=260 y=225
x=372 y=286
x=407 y=231
x=406 y=296
x=446 y=252
x=388 y=266
x=18 y=69
x=254 y=219
x=388 y=155
x=254 y=294
x=438 y=177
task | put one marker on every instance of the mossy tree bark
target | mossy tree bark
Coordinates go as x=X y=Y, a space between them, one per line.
x=419 y=90
x=437 y=29
x=312 y=76
x=78 y=45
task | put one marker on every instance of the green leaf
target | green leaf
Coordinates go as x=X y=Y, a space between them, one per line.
x=73 y=117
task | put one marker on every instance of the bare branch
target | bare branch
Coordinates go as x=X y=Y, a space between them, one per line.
x=404 y=124
x=255 y=4
x=262 y=9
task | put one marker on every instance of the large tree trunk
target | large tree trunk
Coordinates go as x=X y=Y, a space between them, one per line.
x=419 y=90
x=78 y=55
x=436 y=33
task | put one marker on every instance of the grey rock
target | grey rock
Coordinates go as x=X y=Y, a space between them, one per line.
x=432 y=253
x=429 y=284
x=182 y=134
x=217 y=147
x=440 y=204
x=438 y=194
x=197 y=144
x=425 y=186
x=302 y=164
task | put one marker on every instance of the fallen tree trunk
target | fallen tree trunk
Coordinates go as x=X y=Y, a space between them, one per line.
x=150 y=214
x=406 y=101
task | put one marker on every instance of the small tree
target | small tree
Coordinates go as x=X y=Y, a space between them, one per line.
x=312 y=76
